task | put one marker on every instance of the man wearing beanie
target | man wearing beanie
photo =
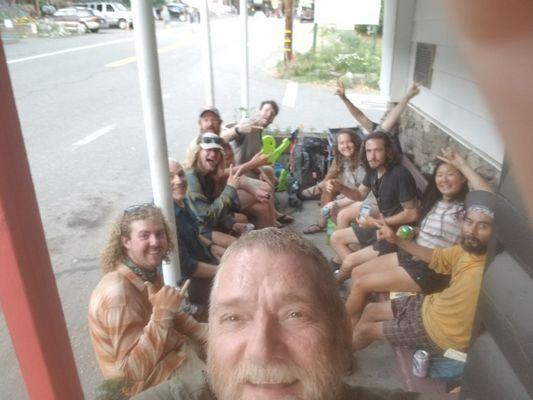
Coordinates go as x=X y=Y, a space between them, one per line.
x=441 y=320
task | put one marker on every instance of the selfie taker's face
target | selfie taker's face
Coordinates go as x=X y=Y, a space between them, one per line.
x=268 y=336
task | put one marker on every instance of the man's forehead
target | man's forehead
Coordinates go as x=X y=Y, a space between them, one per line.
x=478 y=217
x=209 y=114
x=174 y=166
x=249 y=268
x=379 y=143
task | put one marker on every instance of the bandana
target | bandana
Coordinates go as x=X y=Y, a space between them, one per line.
x=144 y=274
x=481 y=201
x=481 y=209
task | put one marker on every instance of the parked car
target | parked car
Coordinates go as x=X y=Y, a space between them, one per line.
x=306 y=10
x=115 y=13
x=263 y=6
x=178 y=11
x=81 y=19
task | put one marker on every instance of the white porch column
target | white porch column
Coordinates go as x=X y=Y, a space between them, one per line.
x=398 y=21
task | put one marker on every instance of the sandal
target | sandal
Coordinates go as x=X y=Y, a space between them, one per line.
x=312 y=193
x=285 y=219
x=314 y=228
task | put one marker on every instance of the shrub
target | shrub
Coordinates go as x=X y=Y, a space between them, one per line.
x=341 y=53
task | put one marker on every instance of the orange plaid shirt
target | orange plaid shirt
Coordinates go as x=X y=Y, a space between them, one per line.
x=132 y=340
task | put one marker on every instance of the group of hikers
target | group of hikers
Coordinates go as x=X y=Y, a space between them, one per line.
x=277 y=327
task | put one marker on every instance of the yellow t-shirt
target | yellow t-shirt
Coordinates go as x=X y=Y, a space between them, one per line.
x=448 y=316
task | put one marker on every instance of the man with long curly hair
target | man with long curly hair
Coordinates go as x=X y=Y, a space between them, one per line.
x=139 y=336
x=393 y=187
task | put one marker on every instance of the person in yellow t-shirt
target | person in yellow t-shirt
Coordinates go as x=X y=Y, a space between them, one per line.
x=441 y=320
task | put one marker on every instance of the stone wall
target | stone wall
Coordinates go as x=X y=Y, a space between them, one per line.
x=422 y=141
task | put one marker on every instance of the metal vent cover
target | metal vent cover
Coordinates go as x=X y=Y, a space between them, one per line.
x=425 y=56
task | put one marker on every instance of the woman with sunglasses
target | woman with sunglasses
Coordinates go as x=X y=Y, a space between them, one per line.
x=442 y=209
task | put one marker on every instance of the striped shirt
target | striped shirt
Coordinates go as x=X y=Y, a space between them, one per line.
x=133 y=341
x=441 y=227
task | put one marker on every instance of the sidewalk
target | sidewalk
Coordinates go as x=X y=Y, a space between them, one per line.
x=376 y=365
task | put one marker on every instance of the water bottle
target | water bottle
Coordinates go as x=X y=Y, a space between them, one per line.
x=330 y=228
x=326 y=211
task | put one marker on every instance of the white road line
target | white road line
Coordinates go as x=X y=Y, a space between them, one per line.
x=291 y=92
x=93 y=136
x=73 y=49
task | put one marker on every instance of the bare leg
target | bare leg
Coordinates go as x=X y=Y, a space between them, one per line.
x=264 y=214
x=348 y=215
x=205 y=270
x=217 y=251
x=245 y=199
x=269 y=174
x=240 y=218
x=263 y=211
x=394 y=279
x=340 y=241
x=378 y=264
x=370 y=327
x=352 y=260
x=222 y=239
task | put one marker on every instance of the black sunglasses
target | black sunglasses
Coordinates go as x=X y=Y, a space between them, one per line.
x=210 y=139
x=136 y=207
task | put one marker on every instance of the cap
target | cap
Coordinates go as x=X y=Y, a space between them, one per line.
x=212 y=109
x=210 y=140
x=481 y=201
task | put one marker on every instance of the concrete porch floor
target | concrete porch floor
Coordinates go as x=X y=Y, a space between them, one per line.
x=376 y=365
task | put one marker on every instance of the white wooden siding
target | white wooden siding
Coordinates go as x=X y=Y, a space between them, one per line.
x=454 y=102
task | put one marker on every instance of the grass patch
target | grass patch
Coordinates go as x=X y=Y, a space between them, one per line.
x=348 y=55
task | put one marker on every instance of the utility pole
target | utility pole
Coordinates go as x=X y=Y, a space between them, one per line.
x=244 y=59
x=287 y=48
x=37 y=8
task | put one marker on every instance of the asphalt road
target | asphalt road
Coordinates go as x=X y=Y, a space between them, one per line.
x=80 y=111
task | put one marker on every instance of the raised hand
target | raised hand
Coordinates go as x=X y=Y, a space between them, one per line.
x=259 y=159
x=413 y=90
x=340 y=91
x=250 y=127
x=167 y=298
x=453 y=158
x=234 y=176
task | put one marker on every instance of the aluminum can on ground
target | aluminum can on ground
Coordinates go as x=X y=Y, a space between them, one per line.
x=249 y=227
x=420 y=363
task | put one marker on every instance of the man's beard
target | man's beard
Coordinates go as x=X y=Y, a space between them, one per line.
x=320 y=381
x=472 y=245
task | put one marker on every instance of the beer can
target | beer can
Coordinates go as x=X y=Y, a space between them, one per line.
x=326 y=212
x=405 y=232
x=420 y=363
